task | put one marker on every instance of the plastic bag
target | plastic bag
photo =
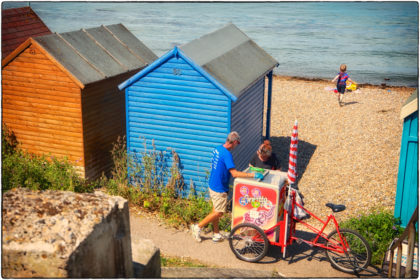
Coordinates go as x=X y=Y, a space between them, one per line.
x=297 y=211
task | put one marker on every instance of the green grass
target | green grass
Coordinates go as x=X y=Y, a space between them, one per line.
x=167 y=261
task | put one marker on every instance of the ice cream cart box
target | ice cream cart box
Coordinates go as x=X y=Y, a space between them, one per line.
x=259 y=202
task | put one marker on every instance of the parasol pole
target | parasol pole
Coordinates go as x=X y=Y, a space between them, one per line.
x=286 y=219
x=291 y=178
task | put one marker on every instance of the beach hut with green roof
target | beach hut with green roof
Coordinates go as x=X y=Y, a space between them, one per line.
x=189 y=100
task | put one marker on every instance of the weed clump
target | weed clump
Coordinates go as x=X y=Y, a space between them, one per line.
x=152 y=181
x=379 y=228
x=22 y=169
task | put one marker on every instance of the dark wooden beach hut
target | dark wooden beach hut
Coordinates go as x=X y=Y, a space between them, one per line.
x=406 y=199
x=60 y=93
x=17 y=25
x=193 y=96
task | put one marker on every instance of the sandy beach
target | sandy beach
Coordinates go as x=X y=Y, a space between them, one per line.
x=347 y=155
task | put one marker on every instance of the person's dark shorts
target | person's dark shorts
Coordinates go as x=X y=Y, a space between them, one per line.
x=341 y=88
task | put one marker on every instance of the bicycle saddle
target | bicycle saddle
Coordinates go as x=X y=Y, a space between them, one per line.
x=336 y=207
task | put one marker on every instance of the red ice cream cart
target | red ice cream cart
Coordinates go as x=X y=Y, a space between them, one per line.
x=260 y=202
x=265 y=212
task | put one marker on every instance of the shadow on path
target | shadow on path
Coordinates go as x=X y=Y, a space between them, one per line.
x=299 y=252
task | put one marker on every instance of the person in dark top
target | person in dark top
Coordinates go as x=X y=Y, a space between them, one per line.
x=265 y=158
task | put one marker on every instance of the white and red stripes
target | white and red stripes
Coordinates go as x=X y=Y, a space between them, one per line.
x=291 y=174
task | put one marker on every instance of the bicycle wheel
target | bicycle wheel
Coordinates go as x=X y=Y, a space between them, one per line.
x=358 y=254
x=248 y=242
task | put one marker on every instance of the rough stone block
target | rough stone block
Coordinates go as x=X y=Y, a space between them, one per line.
x=55 y=234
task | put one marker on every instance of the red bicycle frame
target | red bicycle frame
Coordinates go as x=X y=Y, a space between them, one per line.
x=339 y=246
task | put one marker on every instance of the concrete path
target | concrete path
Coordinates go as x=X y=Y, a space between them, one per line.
x=213 y=273
x=301 y=260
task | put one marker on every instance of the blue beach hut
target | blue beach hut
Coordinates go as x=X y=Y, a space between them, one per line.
x=406 y=199
x=189 y=100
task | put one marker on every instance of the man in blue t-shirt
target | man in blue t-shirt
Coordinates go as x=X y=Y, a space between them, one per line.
x=222 y=167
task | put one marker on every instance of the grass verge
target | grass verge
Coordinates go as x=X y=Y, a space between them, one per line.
x=169 y=261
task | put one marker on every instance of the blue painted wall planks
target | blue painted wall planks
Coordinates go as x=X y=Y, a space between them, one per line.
x=173 y=107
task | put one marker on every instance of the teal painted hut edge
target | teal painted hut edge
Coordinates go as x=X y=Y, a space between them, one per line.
x=406 y=199
x=177 y=104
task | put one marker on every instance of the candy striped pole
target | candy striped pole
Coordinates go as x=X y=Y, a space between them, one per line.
x=291 y=177
x=291 y=174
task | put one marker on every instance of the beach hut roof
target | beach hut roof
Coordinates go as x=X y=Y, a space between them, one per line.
x=175 y=52
x=411 y=105
x=91 y=55
x=231 y=57
x=18 y=24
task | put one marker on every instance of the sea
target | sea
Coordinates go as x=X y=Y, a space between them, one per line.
x=379 y=41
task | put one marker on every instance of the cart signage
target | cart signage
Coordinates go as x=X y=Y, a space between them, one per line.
x=256 y=205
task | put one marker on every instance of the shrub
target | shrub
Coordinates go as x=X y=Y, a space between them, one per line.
x=183 y=212
x=8 y=141
x=379 y=228
x=118 y=181
x=142 y=181
x=21 y=169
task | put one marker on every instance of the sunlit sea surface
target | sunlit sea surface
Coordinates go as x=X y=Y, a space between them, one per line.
x=377 y=40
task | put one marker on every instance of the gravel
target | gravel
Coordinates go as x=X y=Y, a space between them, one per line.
x=347 y=154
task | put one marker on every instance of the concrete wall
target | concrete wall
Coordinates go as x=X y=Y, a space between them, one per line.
x=56 y=234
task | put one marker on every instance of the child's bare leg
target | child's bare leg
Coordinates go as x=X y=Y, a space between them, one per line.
x=340 y=99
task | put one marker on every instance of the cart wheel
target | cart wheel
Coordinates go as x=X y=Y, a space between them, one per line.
x=248 y=242
x=358 y=254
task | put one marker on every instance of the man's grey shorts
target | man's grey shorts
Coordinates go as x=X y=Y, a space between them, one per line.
x=219 y=201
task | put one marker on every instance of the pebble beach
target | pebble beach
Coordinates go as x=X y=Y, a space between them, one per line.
x=347 y=154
